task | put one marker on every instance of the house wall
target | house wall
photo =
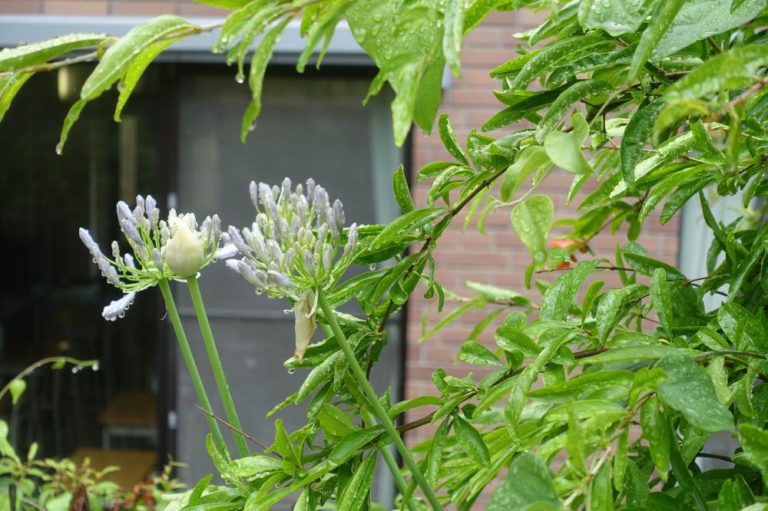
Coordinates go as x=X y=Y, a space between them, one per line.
x=497 y=257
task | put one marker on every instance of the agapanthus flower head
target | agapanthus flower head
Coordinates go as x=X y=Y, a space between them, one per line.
x=296 y=245
x=175 y=248
x=297 y=241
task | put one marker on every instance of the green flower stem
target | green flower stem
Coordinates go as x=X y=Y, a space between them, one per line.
x=218 y=369
x=389 y=459
x=186 y=352
x=373 y=403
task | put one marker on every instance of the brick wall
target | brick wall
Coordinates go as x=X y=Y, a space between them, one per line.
x=497 y=257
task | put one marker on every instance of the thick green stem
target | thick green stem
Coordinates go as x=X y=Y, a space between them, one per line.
x=389 y=459
x=373 y=403
x=186 y=352
x=218 y=369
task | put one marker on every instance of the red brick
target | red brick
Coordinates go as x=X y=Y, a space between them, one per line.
x=76 y=7
x=21 y=6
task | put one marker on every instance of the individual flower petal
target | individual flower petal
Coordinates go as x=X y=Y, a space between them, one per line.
x=116 y=309
x=225 y=252
x=304 y=322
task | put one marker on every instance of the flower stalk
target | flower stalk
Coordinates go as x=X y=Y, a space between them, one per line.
x=189 y=360
x=216 y=366
x=373 y=402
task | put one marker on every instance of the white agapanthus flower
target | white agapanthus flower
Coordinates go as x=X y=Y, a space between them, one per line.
x=159 y=249
x=296 y=245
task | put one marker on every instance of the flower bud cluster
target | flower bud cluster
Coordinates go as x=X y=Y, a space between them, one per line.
x=296 y=242
x=159 y=249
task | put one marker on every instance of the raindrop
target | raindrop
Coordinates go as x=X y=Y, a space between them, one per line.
x=240 y=78
x=95 y=367
x=287 y=311
x=371 y=267
x=75 y=369
x=291 y=370
x=59 y=148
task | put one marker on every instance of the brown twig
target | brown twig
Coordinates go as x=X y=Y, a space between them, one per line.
x=233 y=428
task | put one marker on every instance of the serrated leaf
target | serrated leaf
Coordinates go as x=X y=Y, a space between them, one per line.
x=690 y=391
x=532 y=220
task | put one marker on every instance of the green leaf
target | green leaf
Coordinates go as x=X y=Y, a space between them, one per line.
x=116 y=59
x=402 y=190
x=576 y=92
x=611 y=306
x=656 y=432
x=10 y=85
x=416 y=402
x=742 y=327
x=532 y=220
x=690 y=391
x=471 y=441
x=322 y=27
x=532 y=159
x=475 y=353
x=135 y=69
x=451 y=317
x=355 y=494
x=630 y=354
x=334 y=421
x=259 y=62
x=528 y=486
x=754 y=441
x=510 y=339
x=614 y=16
x=6 y=449
x=255 y=466
x=661 y=299
x=730 y=70
x=700 y=19
x=225 y=4
x=557 y=300
x=448 y=137
x=564 y=149
x=405 y=224
x=17 y=386
x=496 y=294
x=435 y=454
x=428 y=94
x=661 y=20
x=546 y=58
x=600 y=491
x=27 y=55
x=637 y=132
x=453 y=31
x=734 y=495
x=352 y=444
x=318 y=376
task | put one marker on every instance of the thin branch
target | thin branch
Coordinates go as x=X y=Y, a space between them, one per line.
x=233 y=428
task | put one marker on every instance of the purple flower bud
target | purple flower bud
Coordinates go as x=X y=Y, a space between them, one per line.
x=115 y=250
x=333 y=223
x=225 y=252
x=124 y=212
x=238 y=241
x=157 y=258
x=91 y=245
x=285 y=190
x=273 y=249
x=140 y=202
x=128 y=258
x=349 y=248
x=288 y=258
x=265 y=193
x=116 y=309
x=129 y=229
x=309 y=262
x=328 y=257
x=253 y=189
x=338 y=213
x=278 y=279
x=150 y=205
x=108 y=271
x=310 y=190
